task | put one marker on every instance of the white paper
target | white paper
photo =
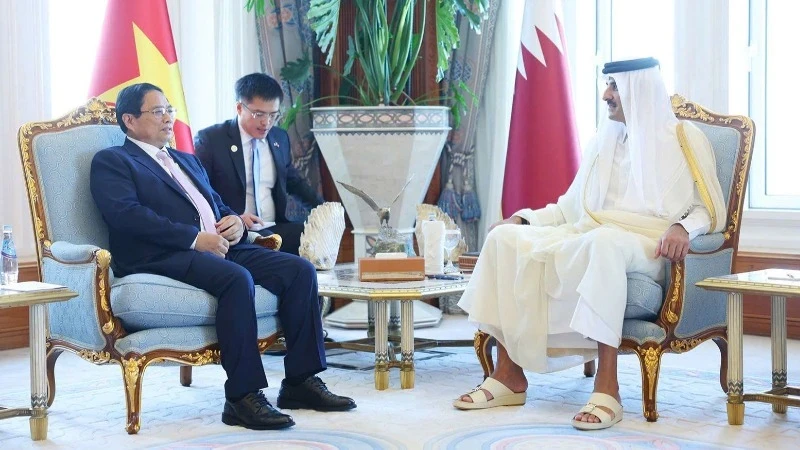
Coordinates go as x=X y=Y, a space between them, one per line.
x=260 y=226
x=31 y=286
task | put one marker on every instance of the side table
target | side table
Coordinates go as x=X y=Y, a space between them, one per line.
x=37 y=302
x=778 y=284
x=343 y=282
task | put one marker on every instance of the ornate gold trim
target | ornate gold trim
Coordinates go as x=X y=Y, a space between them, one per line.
x=684 y=345
x=652 y=357
x=199 y=359
x=672 y=316
x=131 y=368
x=94 y=356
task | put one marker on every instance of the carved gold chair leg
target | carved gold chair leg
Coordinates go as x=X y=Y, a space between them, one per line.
x=590 y=368
x=52 y=356
x=483 y=348
x=132 y=373
x=186 y=376
x=723 y=365
x=650 y=361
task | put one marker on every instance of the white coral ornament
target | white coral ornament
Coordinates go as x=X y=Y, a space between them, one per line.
x=322 y=235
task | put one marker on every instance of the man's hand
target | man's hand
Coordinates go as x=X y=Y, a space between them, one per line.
x=230 y=228
x=514 y=220
x=212 y=243
x=674 y=244
x=250 y=219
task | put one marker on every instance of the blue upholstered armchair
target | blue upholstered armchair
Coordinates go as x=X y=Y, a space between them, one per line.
x=134 y=321
x=679 y=316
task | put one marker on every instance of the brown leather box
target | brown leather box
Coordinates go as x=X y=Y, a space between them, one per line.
x=391 y=269
x=467 y=261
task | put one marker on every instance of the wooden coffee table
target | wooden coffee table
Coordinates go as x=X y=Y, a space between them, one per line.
x=778 y=284
x=37 y=302
x=342 y=282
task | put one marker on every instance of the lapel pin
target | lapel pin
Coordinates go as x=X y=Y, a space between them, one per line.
x=234 y=148
x=276 y=145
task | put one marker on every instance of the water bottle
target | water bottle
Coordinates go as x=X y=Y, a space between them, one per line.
x=9 y=254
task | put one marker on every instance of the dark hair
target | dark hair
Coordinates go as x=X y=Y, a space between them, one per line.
x=130 y=101
x=258 y=85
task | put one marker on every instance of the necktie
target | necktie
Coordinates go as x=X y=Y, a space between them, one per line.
x=200 y=202
x=256 y=164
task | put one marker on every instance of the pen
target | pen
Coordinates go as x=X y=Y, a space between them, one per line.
x=445 y=277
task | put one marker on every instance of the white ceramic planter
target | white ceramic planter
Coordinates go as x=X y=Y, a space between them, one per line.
x=377 y=149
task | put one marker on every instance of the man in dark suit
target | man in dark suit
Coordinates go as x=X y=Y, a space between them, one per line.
x=164 y=218
x=249 y=161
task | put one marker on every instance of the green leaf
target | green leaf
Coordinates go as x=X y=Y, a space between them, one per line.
x=351 y=57
x=297 y=72
x=291 y=113
x=323 y=16
x=446 y=35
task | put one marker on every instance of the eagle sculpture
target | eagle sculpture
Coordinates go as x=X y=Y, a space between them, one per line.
x=383 y=212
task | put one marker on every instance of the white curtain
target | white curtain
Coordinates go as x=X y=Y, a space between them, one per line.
x=25 y=94
x=217 y=44
x=495 y=116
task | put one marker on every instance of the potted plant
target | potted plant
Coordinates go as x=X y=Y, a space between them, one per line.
x=380 y=138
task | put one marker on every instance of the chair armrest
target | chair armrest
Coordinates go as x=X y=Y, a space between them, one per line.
x=67 y=252
x=691 y=309
x=87 y=320
x=707 y=243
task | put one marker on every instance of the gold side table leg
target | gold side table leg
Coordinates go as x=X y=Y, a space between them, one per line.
x=38 y=420
x=381 y=346
x=735 y=381
x=407 y=344
x=779 y=347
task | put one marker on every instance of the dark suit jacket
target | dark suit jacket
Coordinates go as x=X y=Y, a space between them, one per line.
x=226 y=168
x=151 y=221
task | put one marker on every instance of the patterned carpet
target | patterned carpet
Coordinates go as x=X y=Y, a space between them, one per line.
x=89 y=411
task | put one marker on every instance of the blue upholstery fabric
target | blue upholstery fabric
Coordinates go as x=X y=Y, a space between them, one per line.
x=641 y=331
x=706 y=243
x=63 y=160
x=187 y=339
x=703 y=309
x=143 y=301
x=645 y=297
x=75 y=320
x=725 y=142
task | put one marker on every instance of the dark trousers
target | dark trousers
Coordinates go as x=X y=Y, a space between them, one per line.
x=290 y=234
x=293 y=280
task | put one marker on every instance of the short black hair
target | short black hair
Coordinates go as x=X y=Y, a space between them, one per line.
x=130 y=101
x=258 y=85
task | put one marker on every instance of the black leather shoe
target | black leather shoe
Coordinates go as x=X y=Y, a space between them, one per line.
x=255 y=412
x=312 y=394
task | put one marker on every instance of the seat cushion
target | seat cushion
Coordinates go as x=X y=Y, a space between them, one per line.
x=144 y=301
x=645 y=297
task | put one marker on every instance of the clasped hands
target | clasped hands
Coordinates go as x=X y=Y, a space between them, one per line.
x=229 y=231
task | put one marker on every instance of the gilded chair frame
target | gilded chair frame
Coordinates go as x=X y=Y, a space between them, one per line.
x=650 y=352
x=133 y=365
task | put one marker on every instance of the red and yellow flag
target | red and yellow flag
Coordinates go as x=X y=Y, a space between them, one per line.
x=136 y=46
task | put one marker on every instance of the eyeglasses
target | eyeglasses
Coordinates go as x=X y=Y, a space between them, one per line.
x=259 y=115
x=159 y=112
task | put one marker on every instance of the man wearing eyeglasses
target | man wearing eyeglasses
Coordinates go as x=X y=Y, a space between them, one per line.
x=249 y=161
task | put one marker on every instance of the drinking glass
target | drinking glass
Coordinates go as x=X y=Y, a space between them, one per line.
x=451 y=239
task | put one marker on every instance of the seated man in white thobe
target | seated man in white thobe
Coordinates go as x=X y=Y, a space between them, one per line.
x=551 y=284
